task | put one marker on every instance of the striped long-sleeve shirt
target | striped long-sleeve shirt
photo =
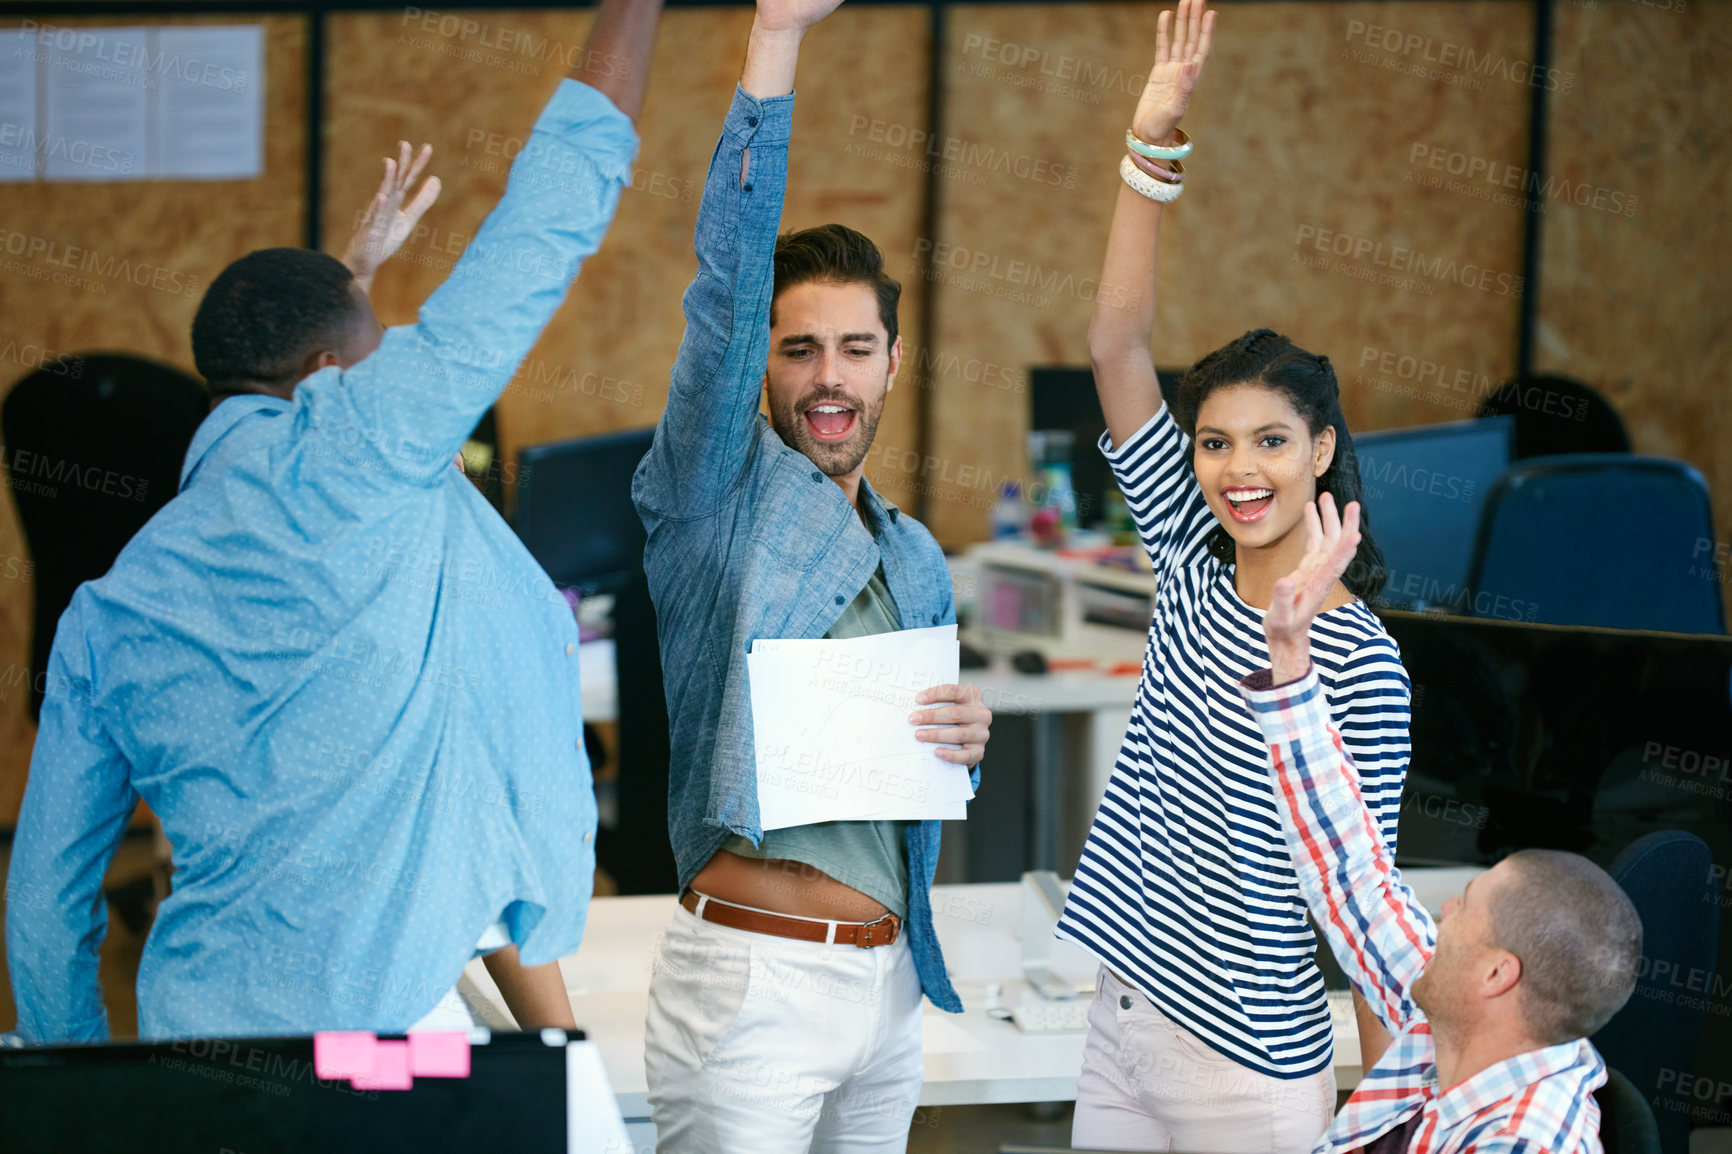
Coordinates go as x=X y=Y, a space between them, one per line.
x=1541 y=1100
x=1185 y=889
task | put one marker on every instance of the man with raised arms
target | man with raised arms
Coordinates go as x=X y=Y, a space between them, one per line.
x=785 y=1004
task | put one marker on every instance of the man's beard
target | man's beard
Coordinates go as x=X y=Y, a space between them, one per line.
x=833 y=458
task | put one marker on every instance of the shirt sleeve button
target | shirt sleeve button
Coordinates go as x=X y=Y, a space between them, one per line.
x=587 y=838
x=838 y=599
x=752 y=121
x=817 y=476
x=570 y=649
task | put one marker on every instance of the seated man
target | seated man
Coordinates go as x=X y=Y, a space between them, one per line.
x=1491 y=1006
x=347 y=691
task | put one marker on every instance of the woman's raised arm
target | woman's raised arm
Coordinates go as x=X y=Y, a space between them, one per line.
x=1120 y=331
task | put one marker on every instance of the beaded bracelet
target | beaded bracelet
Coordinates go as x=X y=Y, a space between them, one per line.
x=1142 y=182
x=1179 y=150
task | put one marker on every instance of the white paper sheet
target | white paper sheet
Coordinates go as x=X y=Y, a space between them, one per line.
x=209 y=121
x=97 y=91
x=832 y=733
x=17 y=105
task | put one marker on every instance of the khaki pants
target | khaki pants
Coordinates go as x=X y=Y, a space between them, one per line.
x=1150 y=1084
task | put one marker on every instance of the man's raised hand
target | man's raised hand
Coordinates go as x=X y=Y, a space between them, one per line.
x=793 y=15
x=774 y=48
x=1330 y=543
x=388 y=221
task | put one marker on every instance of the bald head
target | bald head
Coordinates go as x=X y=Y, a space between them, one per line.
x=1577 y=936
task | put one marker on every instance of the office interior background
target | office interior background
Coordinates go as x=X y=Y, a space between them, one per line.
x=1439 y=195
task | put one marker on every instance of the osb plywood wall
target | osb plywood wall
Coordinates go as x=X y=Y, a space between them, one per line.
x=1635 y=292
x=1301 y=212
x=155 y=245
x=1347 y=189
x=603 y=363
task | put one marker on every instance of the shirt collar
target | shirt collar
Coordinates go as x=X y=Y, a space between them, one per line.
x=883 y=512
x=231 y=412
x=1510 y=1076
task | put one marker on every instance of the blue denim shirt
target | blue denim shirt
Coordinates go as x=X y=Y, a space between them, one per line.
x=747 y=538
x=347 y=690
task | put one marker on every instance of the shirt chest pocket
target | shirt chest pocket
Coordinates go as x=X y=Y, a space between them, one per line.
x=797 y=513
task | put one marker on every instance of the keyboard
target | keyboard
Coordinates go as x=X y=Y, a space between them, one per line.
x=1037 y=1015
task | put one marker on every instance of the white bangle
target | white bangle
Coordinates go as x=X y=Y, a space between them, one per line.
x=1141 y=182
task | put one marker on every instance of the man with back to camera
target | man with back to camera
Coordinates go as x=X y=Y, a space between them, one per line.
x=347 y=691
x=1492 y=1005
x=798 y=955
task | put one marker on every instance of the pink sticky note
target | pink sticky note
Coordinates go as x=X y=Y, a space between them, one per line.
x=339 y=1054
x=390 y=1068
x=439 y=1054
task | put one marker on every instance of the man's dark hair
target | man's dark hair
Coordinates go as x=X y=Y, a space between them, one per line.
x=836 y=254
x=1578 y=937
x=266 y=313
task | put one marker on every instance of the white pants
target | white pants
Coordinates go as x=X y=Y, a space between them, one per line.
x=769 y=1045
x=1150 y=1084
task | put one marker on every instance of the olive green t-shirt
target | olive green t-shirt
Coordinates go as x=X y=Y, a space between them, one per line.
x=870 y=856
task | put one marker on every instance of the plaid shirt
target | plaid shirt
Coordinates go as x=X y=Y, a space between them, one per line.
x=1383 y=937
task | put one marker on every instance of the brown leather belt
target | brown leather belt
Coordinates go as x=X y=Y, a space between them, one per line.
x=862 y=934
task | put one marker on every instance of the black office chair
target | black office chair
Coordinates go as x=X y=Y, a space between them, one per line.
x=1627 y=1125
x=1669 y=880
x=1557 y=415
x=94 y=446
x=575 y=514
x=1606 y=539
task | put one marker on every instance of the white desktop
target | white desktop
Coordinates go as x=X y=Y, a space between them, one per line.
x=978 y=1056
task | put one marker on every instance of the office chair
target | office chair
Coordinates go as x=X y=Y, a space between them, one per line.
x=94 y=446
x=575 y=515
x=1557 y=415
x=1604 y=539
x=1627 y=1125
x=1667 y=876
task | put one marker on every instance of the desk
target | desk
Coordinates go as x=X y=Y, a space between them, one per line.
x=970 y=1058
x=1104 y=702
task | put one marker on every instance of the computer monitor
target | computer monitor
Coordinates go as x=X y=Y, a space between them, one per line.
x=1063 y=397
x=574 y=509
x=1423 y=489
x=258 y=1095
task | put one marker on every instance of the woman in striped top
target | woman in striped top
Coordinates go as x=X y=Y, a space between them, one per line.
x=1210 y=1031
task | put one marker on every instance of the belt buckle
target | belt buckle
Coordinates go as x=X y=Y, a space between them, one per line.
x=864 y=938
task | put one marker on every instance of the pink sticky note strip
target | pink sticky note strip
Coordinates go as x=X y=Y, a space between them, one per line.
x=439 y=1054
x=390 y=1068
x=339 y=1054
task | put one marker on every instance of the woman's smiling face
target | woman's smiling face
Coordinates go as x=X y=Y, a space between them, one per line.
x=1257 y=462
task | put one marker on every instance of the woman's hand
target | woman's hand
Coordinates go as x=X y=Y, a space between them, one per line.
x=1179 y=61
x=388 y=222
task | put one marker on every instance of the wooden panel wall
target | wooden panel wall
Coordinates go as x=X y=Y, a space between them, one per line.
x=187 y=229
x=1634 y=283
x=1310 y=130
x=603 y=363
